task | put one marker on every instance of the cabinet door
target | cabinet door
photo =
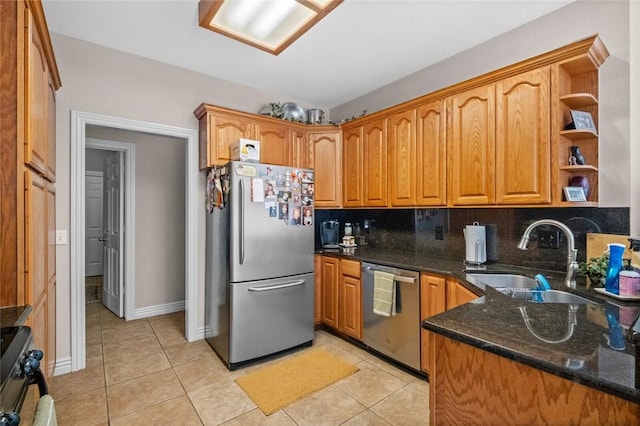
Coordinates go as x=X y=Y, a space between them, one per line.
x=51 y=131
x=432 y=302
x=402 y=158
x=317 y=268
x=457 y=294
x=36 y=242
x=352 y=167
x=51 y=280
x=350 y=307
x=301 y=150
x=471 y=137
x=330 y=277
x=217 y=133
x=327 y=150
x=274 y=143
x=36 y=97
x=431 y=148
x=523 y=133
x=374 y=159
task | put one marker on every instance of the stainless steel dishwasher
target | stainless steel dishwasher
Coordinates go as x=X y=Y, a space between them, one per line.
x=397 y=336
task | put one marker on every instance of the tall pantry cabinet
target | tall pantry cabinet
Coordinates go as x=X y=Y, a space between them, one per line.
x=29 y=79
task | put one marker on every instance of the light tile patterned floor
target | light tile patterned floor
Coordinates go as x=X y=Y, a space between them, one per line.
x=144 y=372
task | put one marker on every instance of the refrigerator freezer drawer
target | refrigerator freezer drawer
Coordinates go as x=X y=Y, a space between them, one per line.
x=269 y=316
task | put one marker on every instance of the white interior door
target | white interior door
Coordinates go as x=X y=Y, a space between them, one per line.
x=93 y=222
x=113 y=207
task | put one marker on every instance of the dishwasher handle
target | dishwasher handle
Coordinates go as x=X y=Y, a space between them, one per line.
x=398 y=278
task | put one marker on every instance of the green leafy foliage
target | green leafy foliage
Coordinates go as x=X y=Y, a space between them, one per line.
x=596 y=269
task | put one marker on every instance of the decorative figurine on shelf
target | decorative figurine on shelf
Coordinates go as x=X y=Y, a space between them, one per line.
x=581 y=181
x=576 y=156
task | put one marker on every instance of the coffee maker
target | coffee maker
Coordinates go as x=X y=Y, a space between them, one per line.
x=330 y=234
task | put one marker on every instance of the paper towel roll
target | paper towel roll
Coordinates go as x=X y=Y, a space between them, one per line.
x=476 y=243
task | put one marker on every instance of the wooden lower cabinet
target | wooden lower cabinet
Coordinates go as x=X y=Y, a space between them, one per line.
x=468 y=385
x=433 y=293
x=458 y=294
x=438 y=294
x=330 y=276
x=341 y=295
x=350 y=303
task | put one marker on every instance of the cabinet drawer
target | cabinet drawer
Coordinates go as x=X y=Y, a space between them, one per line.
x=350 y=268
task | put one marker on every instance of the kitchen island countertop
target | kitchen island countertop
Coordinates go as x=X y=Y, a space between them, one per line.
x=572 y=343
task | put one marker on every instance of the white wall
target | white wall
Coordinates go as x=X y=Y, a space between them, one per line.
x=635 y=112
x=108 y=82
x=160 y=214
x=609 y=19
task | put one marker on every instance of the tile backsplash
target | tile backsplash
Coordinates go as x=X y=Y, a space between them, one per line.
x=415 y=230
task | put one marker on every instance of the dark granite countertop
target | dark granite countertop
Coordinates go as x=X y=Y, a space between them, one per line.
x=572 y=345
x=14 y=315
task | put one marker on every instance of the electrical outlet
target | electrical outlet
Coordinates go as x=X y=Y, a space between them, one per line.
x=439 y=232
x=549 y=239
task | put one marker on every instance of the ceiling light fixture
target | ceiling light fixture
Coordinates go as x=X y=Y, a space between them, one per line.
x=270 y=25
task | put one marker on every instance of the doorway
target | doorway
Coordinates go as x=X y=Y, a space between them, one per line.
x=109 y=205
x=79 y=123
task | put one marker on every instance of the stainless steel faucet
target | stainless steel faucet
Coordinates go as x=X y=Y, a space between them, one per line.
x=572 y=253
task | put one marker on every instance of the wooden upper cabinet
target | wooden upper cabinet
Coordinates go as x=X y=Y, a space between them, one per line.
x=326 y=152
x=352 y=149
x=51 y=131
x=374 y=159
x=37 y=95
x=471 y=136
x=401 y=143
x=218 y=130
x=274 y=143
x=301 y=150
x=523 y=139
x=431 y=150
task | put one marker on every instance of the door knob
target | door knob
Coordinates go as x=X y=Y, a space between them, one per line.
x=102 y=239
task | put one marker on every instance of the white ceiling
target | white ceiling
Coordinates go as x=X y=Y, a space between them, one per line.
x=360 y=46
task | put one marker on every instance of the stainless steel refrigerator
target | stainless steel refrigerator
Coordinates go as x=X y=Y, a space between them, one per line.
x=259 y=291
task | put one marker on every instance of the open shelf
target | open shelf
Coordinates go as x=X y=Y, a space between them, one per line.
x=578 y=134
x=579 y=100
x=578 y=204
x=582 y=168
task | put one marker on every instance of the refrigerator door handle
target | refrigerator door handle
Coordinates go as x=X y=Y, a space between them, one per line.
x=278 y=286
x=241 y=236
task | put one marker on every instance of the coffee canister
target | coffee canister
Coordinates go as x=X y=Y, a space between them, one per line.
x=629 y=283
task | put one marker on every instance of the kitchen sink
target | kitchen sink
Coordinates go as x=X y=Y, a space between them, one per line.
x=542 y=296
x=501 y=280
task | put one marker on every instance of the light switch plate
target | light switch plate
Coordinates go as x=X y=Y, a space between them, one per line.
x=61 y=236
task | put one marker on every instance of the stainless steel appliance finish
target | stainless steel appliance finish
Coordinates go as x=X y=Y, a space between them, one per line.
x=259 y=269
x=20 y=368
x=397 y=337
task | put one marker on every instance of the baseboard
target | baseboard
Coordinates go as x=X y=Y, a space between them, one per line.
x=63 y=366
x=152 y=311
x=201 y=332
